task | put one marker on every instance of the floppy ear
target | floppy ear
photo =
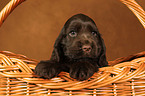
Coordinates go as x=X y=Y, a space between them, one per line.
x=102 y=57
x=57 y=51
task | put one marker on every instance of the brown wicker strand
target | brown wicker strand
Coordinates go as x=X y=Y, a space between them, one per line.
x=16 y=68
x=8 y=9
x=136 y=9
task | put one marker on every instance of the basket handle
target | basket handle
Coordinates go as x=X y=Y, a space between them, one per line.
x=8 y=9
x=131 y=4
x=136 y=9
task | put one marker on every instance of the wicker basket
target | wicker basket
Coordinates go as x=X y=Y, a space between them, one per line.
x=124 y=77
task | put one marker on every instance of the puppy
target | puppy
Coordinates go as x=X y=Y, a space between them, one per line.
x=79 y=50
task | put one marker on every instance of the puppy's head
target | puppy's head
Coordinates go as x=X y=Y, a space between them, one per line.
x=82 y=38
x=79 y=39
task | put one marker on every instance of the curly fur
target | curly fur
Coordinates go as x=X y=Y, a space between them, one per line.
x=79 y=50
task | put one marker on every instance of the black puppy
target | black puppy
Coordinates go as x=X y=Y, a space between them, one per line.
x=79 y=50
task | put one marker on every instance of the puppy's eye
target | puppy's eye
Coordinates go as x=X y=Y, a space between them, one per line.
x=94 y=33
x=73 y=34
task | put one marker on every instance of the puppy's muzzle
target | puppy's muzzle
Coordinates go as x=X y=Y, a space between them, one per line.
x=86 y=48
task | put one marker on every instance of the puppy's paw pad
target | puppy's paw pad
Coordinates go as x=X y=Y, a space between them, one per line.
x=47 y=69
x=82 y=71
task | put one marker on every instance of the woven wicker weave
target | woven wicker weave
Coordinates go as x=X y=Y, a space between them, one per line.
x=124 y=77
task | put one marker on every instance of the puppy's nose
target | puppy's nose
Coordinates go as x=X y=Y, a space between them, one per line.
x=86 y=48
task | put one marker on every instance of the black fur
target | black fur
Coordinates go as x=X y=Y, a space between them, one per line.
x=79 y=50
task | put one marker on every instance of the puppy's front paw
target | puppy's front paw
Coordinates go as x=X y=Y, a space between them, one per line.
x=47 y=69
x=82 y=70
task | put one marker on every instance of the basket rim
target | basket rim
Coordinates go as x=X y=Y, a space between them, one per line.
x=22 y=69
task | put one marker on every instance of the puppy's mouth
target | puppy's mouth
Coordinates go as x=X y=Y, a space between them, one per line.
x=86 y=54
x=82 y=54
x=83 y=59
